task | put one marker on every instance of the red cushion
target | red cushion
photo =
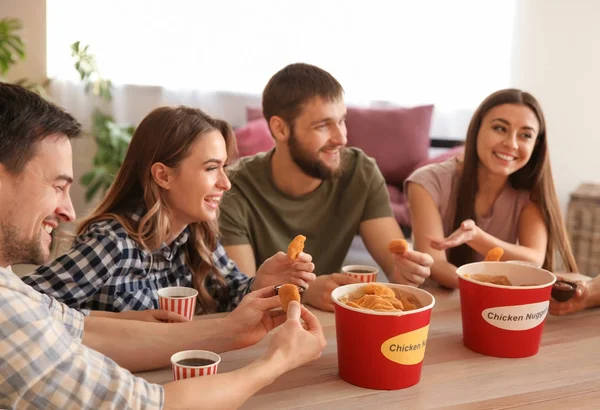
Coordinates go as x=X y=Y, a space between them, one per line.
x=398 y=138
x=401 y=213
x=396 y=194
x=451 y=153
x=254 y=137
x=399 y=205
x=253 y=113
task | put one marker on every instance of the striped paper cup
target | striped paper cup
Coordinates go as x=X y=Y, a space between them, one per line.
x=178 y=299
x=364 y=273
x=194 y=363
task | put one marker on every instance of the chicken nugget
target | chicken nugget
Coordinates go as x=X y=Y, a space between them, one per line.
x=495 y=279
x=296 y=246
x=494 y=255
x=287 y=293
x=352 y=304
x=408 y=305
x=398 y=246
x=375 y=289
x=398 y=304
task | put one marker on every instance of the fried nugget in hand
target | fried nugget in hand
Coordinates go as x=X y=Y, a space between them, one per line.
x=398 y=246
x=296 y=246
x=287 y=293
x=494 y=255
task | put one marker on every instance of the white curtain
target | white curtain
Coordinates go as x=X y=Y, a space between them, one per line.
x=216 y=54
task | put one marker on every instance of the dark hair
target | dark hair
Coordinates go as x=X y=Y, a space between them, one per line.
x=293 y=86
x=165 y=135
x=25 y=119
x=535 y=176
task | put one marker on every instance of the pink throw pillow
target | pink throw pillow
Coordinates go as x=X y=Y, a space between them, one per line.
x=253 y=113
x=444 y=156
x=398 y=138
x=253 y=138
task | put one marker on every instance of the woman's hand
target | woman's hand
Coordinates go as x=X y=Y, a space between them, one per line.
x=467 y=232
x=581 y=300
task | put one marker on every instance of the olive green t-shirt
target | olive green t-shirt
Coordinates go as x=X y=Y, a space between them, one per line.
x=256 y=212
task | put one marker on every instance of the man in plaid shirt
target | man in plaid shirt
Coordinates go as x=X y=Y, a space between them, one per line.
x=54 y=358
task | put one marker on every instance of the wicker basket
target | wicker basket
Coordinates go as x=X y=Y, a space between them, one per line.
x=583 y=225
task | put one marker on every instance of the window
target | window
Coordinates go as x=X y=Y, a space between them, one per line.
x=450 y=53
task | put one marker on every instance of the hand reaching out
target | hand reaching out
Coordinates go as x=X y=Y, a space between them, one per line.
x=466 y=232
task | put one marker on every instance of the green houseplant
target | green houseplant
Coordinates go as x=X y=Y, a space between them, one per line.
x=12 y=50
x=112 y=139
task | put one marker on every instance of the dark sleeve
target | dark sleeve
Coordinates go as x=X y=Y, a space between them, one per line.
x=80 y=273
x=238 y=284
x=378 y=197
x=233 y=221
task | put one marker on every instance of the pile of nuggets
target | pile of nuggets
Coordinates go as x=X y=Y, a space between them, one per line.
x=380 y=298
x=493 y=255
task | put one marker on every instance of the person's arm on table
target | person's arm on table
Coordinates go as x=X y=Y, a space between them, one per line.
x=150 y=315
x=531 y=232
x=45 y=365
x=291 y=346
x=140 y=346
x=426 y=223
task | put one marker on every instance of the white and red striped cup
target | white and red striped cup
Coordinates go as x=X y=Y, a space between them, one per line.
x=364 y=273
x=183 y=371
x=178 y=299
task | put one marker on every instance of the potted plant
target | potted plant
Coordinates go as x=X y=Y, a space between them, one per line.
x=112 y=139
x=12 y=50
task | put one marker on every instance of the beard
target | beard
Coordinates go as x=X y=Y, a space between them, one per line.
x=20 y=250
x=310 y=164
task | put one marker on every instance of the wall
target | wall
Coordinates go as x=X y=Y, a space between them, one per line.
x=33 y=17
x=556 y=57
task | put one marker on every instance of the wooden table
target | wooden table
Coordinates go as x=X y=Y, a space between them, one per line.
x=564 y=374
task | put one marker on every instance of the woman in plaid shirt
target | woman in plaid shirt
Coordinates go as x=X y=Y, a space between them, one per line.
x=157 y=226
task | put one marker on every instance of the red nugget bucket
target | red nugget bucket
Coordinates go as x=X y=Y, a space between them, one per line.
x=381 y=350
x=504 y=321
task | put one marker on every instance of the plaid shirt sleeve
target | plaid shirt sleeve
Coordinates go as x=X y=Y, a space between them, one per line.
x=44 y=367
x=70 y=318
x=81 y=272
x=237 y=283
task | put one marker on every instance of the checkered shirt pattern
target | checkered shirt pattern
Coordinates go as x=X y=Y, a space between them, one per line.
x=44 y=365
x=108 y=270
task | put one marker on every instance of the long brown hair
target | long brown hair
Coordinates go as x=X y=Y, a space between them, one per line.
x=535 y=176
x=165 y=135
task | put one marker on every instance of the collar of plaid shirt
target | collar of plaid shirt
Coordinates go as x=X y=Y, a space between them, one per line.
x=168 y=251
